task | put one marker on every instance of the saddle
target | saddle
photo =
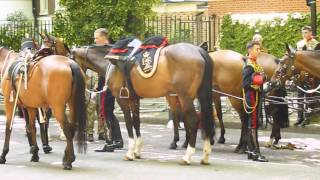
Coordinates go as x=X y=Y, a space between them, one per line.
x=129 y=52
x=24 y=64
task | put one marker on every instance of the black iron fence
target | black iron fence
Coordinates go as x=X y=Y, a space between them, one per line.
x=11 y=33
x=192 y=29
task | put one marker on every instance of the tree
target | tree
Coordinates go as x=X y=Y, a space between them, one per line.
x=79 y=18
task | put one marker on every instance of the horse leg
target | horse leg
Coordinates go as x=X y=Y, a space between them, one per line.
x=217 y=104
x=134 y=106
x=173 y=101
x=190 y=118
x=5 y=149
x=275 y=134
x=34 y=149
x=69 y=131
x=124 y=105
x=242 y=146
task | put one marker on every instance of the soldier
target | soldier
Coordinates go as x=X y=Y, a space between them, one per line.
x=91 y=105
x=307 y=43
x=108 y=102
x=252 y=80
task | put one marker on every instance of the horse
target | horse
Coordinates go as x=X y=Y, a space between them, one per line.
x=53 y=81
x=301 y=60
x=30 y=44
x=171 y=77
x=227 y=78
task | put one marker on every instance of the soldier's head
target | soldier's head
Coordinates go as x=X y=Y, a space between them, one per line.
x=101 y=36
x=253 y=48
x=306 y=32
x=258 y=38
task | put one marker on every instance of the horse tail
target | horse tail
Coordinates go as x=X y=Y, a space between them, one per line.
x=205 y=95
x=280 y=112
x=79 y=106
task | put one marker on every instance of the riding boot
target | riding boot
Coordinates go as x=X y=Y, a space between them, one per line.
x=116 y=133
x=44 y=138
x=254 y=153
x=108 y=147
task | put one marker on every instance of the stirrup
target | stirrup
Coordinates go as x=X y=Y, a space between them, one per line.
x=124 y=92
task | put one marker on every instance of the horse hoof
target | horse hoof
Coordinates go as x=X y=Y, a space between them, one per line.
x=67 y=167
x=212 y=142
x=2 y=160
x=127 y=158
x=47 y=149
x=221 y=140
x=185 y=144
x=34 y=159
x=204 y=163
x=184 y=163
x=136 y=156
x=173 y=146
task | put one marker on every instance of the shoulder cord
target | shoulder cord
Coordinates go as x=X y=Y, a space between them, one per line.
x=245 y=104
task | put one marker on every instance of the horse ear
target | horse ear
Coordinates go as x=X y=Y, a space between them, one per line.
x=41 y=35
x=288 y=48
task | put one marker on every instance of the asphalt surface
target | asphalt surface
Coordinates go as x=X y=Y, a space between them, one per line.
x=158 y=162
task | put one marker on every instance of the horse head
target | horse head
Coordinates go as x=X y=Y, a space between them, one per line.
x=57 y=45
x=286 y=69
x=91 y=57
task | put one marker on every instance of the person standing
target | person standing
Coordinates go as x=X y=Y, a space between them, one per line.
x=108 y=102
x=252 y=81
x=308 y=43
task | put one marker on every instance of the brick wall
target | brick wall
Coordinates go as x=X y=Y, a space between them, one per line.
x=222 y=7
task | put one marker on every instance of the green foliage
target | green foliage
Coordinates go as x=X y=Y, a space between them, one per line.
x=16 y=16
x=275 y=33
x=79 y=19
x=14 y=30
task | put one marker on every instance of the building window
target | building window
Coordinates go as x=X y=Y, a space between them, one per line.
x=43 y=7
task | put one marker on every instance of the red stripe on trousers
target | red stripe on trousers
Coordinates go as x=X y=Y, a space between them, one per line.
x=254 y=113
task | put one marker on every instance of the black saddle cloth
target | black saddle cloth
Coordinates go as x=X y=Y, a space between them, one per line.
x=144 y=57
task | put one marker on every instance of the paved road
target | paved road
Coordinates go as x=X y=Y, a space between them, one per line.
x=161 y=163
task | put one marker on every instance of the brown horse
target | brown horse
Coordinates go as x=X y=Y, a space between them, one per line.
x=227 y=78
x=172 y=76
x=54 y=81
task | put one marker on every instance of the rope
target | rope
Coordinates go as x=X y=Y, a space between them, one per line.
x=245 y=104
x=310 y=91
x=285 y=99
x=16 y=101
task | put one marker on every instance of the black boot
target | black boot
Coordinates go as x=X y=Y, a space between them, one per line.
x=108 y=147
x=117 y=144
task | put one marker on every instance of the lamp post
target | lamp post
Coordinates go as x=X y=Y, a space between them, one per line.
x=313 y=10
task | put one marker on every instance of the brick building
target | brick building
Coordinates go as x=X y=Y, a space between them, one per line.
x=222 y=7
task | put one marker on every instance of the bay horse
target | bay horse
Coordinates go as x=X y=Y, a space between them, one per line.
x=172 y=76
x=53 y=81
x=227 y=78
x=30 y=44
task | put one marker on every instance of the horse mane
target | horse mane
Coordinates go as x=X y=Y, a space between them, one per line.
x=66 y=47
